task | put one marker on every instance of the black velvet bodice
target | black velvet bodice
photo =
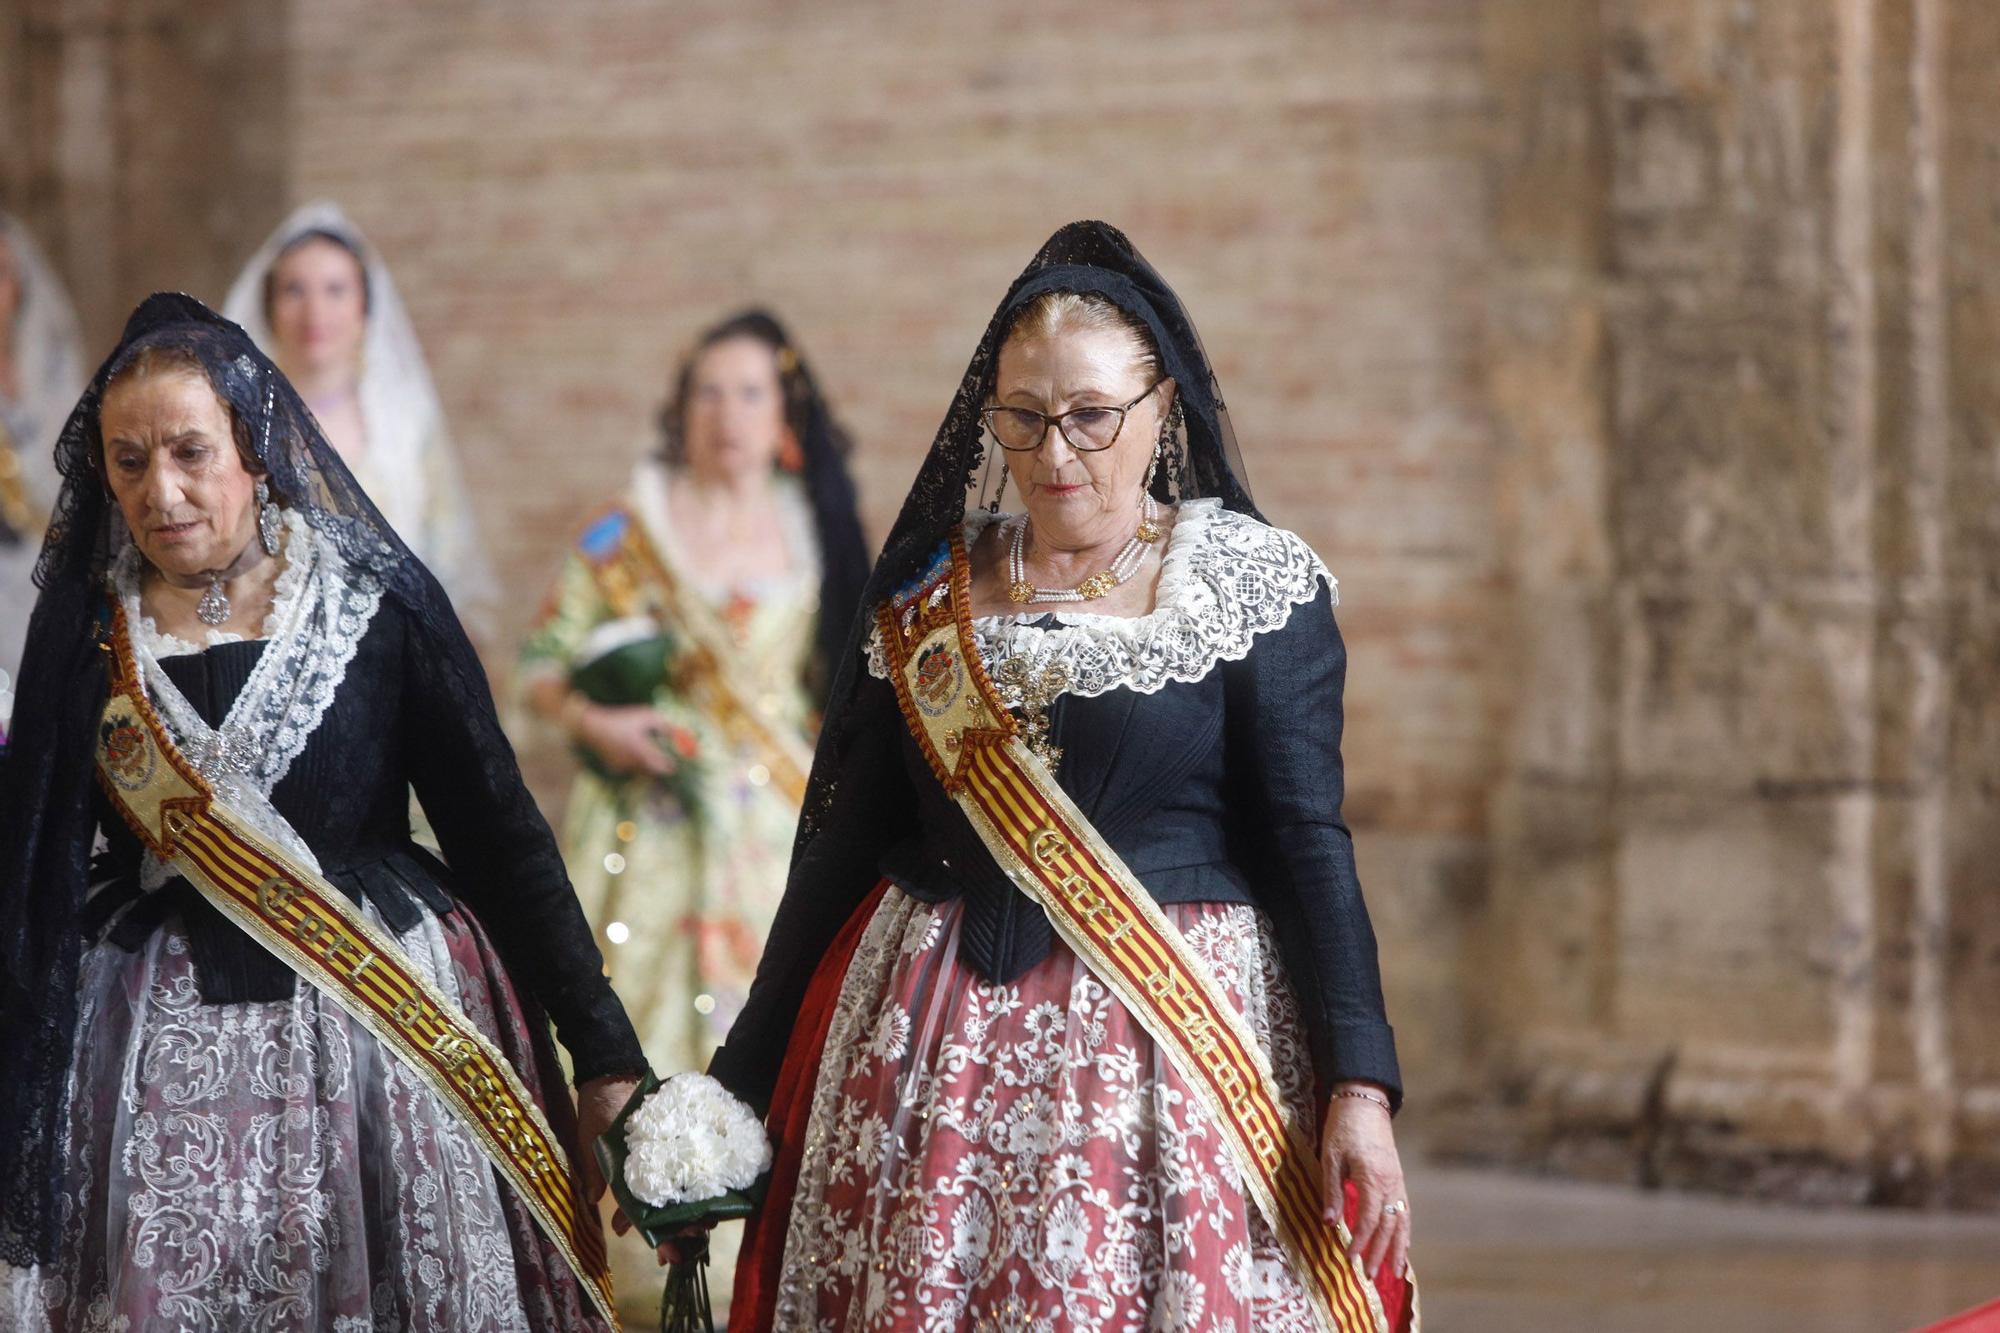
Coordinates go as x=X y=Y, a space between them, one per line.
x=1223 y=789
x=396 y=722
x=1148 y=770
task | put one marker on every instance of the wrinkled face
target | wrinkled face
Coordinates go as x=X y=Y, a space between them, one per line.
x=174 y=469
x=1079 y=498
x=318 y=308
x=735 y=410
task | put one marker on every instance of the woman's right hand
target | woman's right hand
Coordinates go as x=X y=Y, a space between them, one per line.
x=627 y=739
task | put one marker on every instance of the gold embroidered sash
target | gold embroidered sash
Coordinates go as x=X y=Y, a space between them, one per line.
x=320 y=934
x=634 y=579
x=1047 y=847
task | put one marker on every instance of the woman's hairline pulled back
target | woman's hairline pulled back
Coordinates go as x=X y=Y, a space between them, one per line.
x=746 y=326
x=1052 y=313
x=151 y=360
x=318 y=236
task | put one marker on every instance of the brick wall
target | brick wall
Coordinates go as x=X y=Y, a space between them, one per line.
x=567 y=192
x=1632 y=363
x=144 y=142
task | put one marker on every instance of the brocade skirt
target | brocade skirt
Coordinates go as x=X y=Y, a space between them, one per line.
x=270 y=1167
x=1022 y=1156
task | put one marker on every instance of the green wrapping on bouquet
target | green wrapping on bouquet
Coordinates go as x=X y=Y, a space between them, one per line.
x=626 y=673
x=655 y=1223
x=684 y=1303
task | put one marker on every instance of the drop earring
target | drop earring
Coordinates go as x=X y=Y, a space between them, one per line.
x=268 y=519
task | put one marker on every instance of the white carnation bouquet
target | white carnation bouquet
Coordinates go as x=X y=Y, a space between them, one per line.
x=690 y=1141
x=683 y=1153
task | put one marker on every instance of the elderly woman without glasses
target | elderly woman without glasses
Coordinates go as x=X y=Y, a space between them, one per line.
x=261 y=1062
x=1070 y=1017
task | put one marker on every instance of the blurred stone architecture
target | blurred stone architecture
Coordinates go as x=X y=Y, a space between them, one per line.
x=1635 y=363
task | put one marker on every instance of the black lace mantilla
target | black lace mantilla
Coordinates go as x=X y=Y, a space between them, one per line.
x=1203 y=460
x=47 y=821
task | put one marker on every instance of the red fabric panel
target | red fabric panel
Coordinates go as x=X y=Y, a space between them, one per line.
x=753 y=1305
x=1985 y=1319
x=1397 y=1307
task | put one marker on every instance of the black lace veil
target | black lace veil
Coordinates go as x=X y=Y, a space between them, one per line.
x=46 y=784
x=823 y=450
x=1201 y=459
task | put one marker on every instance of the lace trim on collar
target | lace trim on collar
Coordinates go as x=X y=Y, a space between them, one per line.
x=1225 y=578
x=320 y=611
x=284 y=598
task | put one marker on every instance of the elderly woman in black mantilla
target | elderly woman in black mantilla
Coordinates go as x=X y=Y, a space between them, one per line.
x=263 y=1061
x=1071 y=1016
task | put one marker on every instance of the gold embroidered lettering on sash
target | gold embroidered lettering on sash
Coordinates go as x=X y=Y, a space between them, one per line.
x=274 y=895
x=314 y=929
x=1048 y=847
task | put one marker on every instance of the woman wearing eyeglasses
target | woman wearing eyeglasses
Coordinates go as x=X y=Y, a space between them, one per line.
x=1071 y=1017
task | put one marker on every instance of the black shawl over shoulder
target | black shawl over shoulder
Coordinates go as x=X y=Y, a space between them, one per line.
x=415 y=708
x=1224 y=789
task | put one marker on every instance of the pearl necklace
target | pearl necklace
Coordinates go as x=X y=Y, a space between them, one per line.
x=1123 y=565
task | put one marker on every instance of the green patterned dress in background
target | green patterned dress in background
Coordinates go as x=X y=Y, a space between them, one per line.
x=680 y=876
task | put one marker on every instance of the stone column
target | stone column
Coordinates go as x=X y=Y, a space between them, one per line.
x=1737 y=925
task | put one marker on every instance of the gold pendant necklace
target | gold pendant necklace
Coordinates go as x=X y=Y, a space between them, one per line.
x=1125 y=564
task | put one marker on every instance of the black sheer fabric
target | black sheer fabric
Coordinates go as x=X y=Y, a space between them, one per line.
x=1203 y=460
x=48 y=816
x=823 y=447
x=870 y=810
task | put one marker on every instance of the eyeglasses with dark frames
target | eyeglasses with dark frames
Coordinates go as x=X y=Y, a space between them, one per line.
x=1021 y=430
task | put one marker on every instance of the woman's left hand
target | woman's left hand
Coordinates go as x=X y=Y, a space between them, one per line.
x=1359 y=1144
x=598 y=1103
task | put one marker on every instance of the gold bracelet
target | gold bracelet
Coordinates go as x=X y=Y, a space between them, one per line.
x=1367 y=1095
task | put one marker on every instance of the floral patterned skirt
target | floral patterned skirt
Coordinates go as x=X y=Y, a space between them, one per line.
x=1022 y=1156
x=269 y=1167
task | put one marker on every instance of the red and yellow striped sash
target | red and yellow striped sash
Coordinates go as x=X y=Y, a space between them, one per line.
x=321 y=935
x=1047 y=847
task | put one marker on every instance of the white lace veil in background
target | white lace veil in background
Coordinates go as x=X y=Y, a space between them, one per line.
x=409 y=468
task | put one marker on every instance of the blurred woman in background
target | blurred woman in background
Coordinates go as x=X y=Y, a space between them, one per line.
x=41 y=373
x=319 y=300
x=683 y=652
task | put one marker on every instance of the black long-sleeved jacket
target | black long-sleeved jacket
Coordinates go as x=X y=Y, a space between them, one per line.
x=398 y=721
x=1224 y=789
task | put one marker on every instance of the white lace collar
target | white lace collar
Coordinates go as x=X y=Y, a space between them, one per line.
x=284 y=601
x=320 y=611
x=1225 y=578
